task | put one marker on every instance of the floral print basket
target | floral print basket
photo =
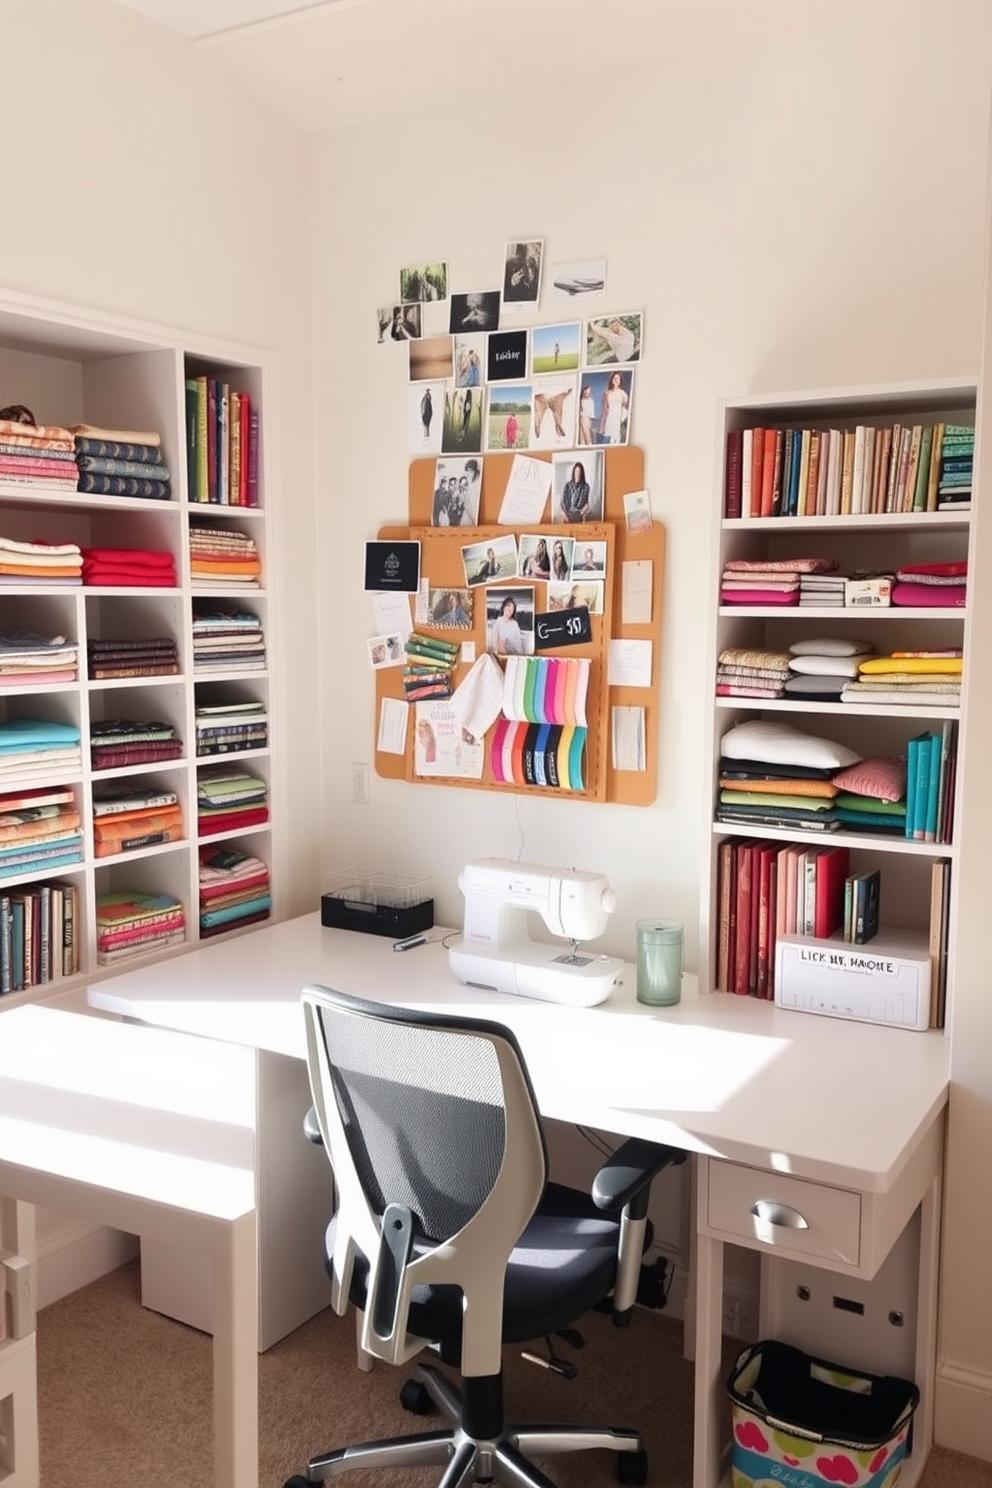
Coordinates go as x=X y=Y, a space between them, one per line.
x=800 y=1422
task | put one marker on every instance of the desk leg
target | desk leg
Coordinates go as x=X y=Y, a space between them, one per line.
x=926 y=1318
x=707 y=1286
x=235 y=1354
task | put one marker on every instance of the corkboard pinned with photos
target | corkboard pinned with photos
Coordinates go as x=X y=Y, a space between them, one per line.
x=617 y=573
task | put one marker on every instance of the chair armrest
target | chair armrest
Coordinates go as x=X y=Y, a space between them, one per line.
x=629 y=1171
x=310 y=1128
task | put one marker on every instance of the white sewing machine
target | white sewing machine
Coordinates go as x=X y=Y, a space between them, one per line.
x=496 y=950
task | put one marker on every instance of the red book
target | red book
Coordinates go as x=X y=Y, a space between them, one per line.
x=727 y=911
x=757 y=467
x=742 y=938
x=732 y=491
x=832 y=867
x=244 y=416
x=767 y=855
x=771 y=442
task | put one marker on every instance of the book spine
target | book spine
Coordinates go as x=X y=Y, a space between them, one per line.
x=771 y=443
x=254 y=435
x=6 y=953
x=234 y=445
x=202 y=474
x=747 y=447
x=212 y=440
x=732 y=475
x=223 y=443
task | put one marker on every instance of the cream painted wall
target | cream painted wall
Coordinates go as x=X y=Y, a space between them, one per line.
x=143 y=182
x=806 y=211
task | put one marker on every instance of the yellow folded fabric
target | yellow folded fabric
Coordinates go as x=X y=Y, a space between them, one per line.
x=912 y=664
x=780 y=787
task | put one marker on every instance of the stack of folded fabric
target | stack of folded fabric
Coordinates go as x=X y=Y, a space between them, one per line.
x=227 y=640
x=49 y=564
x=234 y=890
x=957 y=454
x=38 y=749
x=934 y=585
x=133 y=923
x=822 y=590
x=749 y=672
x=27 y=657
x=127 y=816
x=36 y=455
x=141 y=568
x=121 y=462
x=229 y=800
x=39 y=830
x=226 y=728
x=872 y=795
x=153 y=656
x=916 y=678
x=769 y=581
x=820 y=669
x=220 y=558
x=125 y=741
x=774 y=775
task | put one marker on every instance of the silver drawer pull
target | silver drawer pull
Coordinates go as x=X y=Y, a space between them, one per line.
x=782 y=1215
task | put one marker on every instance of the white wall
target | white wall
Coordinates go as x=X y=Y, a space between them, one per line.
x=805 y=211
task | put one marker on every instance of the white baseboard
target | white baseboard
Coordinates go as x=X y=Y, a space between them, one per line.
x=962 y=1414
x=74 y=1254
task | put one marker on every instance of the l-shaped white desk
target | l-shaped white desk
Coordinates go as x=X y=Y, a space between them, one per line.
x=818 y=1142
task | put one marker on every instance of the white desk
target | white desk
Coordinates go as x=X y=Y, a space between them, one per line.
x=768 y=1100
x=131 y=1127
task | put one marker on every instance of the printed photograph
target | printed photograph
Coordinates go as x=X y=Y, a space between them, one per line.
x=424 y=282
x=386 y=651
x=521 y=275
x=451 y=609
x=423 y=420
x=508 y=415
x=570 y=596
x=589 y=560
x=461 y=429
x=556 y=348
x=441 y=747
x=588 y=414
x=614 y=338
x=533 y=557
x=562 y=553
x=510 y=621
x=431 y=359
x=553 y=413
x=612 y=393
x=506 y=356
x=487 y=562
x=583 y=279
x=577 y=487
x=399 y=322
x=476 y=311
x=457 y=488
x=469 y=359
x=637 y=511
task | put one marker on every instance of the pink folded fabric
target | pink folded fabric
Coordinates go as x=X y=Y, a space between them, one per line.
x=933 y=596
x=760 y=597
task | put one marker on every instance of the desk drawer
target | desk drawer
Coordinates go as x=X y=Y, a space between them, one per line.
x=770 y=1211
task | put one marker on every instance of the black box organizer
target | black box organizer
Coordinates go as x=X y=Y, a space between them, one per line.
x=378 y=904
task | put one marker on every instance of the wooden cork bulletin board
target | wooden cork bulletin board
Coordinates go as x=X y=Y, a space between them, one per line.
x=441 y=564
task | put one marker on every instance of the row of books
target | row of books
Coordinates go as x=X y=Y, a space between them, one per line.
x=38 y=935
x=931 y=766
x=843 y=472
x=221 y=443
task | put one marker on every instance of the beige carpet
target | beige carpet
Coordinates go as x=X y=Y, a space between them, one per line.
x=125 y=1399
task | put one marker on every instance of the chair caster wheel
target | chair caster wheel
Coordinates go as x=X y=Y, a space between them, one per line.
x=297 y=1482
x=632 y=1467
x=415 y=1399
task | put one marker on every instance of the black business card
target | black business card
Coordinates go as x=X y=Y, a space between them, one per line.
x=506 y=359
x=392 y=566
x=562 y=628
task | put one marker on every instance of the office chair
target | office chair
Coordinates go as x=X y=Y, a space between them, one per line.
x=448 y=1235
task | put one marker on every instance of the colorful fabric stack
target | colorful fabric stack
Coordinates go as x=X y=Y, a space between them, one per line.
x=121 y=462
x=154 y=656
x=957 y=456
x=774 y=775
x=125 y=741
x=229 y=800
x=28 y=658
x=221 y=559
x=127 y=816
x=234 y=890
x=227 y=640
x=48 y=564
x=748 y=672
x=127 y=568
x=916 y=678
x=132 y=923
x=41 y=456
x=226 y=728
x=38 y=749
x=820 y=669
x=769 y=581
x=932 y=585
x=39 y=830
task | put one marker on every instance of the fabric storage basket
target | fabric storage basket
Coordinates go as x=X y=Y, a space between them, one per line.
x=800 y=1422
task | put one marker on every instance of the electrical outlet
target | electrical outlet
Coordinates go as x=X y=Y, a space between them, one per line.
x=360 y=784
